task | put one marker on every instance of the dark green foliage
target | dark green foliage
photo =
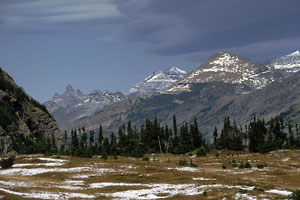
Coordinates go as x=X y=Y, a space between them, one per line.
x=231 y=137
x=224 y=167
x=201 y=152
x=260 y=166
x=18 y=92
x=295 y=195
x=258 y=189
x=247 y=165
x=182 y=162
x=7 y=162
x=192 y=163
x=145 y=159
x=7 y=115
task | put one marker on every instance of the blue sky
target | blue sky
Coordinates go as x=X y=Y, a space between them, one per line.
x=113 y=44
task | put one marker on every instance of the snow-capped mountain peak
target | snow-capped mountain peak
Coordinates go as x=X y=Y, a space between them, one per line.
x=296 y=53
x=157 y=82
x=287 y=65
x=228 y=68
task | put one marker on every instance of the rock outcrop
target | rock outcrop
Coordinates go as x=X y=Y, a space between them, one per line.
x=22 y=118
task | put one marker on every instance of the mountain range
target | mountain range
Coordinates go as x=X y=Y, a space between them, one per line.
x=73 y=105
x=224 y=85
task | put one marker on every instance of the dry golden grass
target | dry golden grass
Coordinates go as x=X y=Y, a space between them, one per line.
x=214 y=182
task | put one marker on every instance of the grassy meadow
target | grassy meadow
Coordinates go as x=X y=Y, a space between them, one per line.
x=219 y=175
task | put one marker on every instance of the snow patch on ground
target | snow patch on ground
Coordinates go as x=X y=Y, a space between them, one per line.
x=244 y=197
x=184 y=169
x=204 y=179
x=36 y=171
x=281 y=192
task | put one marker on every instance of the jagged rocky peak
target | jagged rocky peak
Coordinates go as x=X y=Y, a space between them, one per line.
x=228 y=68
x=56 y=95
x=73 y=104
x=287 y=65
x=157 y=82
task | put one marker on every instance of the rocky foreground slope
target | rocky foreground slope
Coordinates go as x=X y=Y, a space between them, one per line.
x=22 y=117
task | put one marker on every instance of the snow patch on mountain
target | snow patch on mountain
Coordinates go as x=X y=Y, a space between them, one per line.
x=157 y=82
x=228 y=68
x=287 y=65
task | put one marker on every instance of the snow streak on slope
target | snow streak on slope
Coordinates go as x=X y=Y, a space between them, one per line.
x=157 y=82
x=287 y=65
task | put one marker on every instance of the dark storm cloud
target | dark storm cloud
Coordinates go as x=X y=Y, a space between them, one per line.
x=184 y=27
x=168 y=27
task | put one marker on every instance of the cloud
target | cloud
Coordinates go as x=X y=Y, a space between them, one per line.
x=185 y=27
x=168 y=27
x=37 y=15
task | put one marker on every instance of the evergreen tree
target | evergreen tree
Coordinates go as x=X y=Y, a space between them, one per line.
x=100 y=139
x=196 y=135
x=215 y=135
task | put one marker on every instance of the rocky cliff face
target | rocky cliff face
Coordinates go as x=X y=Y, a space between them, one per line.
x=23 y=118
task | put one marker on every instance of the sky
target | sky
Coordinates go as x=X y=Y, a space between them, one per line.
x=113 y=44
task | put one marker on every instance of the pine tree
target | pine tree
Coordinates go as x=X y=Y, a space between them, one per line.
x=100 y=139
x=215 y=135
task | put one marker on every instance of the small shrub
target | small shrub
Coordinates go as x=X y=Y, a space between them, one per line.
x=260 y=166
x=104 y=155
x=234 y=165
x=193 y=164
x=295 y=195
x=182 y=162
x=201 y=152
x=243 y=191
x=258 y=189
x=224 y=167
x=241 y=165
x=48 y=154
x=217 y=155
x=204 y=193
x=233 y=161
x=145 y=159
x=7 y=161
x=248 y=165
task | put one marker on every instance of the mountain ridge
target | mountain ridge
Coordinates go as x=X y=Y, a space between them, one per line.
x=209 y=101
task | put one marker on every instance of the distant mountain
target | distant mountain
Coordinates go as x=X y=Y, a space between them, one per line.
x=228 y=68
x=22 y=117
x=286 y=65
x=224 y=85
x=72 y=105
x=157 y=82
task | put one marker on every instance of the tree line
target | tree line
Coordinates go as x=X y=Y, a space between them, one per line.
x=151 y=137
x=131 y=141
x=258 y=136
